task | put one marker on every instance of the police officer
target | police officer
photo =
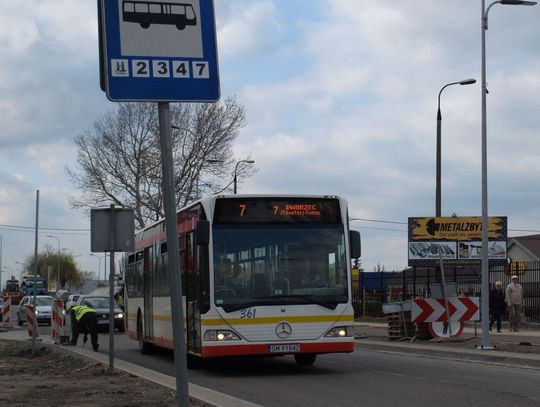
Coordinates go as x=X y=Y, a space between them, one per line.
x=84 y=320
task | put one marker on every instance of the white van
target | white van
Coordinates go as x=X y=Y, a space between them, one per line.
x=72 y=299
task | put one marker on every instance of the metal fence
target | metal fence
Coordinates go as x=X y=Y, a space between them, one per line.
x=371 y=290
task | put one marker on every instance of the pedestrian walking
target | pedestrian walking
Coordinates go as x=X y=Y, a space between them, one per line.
x=514 y=302
x=497 y=305
x=84 y=320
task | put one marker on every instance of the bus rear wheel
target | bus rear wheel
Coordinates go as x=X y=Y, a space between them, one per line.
x=305 y=359
x=144 y=347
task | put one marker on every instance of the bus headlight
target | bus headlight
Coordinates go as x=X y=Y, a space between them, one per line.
x=220 y=335
x=340 y=332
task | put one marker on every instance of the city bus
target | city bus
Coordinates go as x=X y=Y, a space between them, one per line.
x=261 y=276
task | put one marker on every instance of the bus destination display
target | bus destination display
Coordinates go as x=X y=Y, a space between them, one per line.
x=277 y=210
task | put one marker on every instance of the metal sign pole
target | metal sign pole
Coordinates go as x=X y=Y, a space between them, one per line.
x=34 y=319
x=112 y=238
x=173 y=265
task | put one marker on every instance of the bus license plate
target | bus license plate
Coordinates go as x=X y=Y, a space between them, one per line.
x=293 y=347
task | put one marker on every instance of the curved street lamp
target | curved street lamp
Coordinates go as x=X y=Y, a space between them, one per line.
x=99 y=264
x=235 y=172
x=485 y=258
x=438 y=159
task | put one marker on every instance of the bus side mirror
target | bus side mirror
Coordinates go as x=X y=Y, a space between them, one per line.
x=354 y=241
x=203 y=232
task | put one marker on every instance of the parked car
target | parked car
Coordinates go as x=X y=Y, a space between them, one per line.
x=71 y=300
x=101 y=305
x=43 y=308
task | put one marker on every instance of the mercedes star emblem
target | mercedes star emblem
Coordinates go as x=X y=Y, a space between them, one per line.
x=283 y=330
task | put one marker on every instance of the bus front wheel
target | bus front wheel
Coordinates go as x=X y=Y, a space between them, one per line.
x=305 y=359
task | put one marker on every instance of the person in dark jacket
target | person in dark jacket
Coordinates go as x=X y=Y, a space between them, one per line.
x=497 y=305
x=84 y=320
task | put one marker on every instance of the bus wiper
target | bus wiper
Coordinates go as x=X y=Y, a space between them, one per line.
x=308 y=299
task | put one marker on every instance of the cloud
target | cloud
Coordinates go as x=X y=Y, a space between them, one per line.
x=249 y=28
x=341 y=98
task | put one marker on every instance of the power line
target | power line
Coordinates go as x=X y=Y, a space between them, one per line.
x=379 y=221
x=405 y=223
x=65 y=231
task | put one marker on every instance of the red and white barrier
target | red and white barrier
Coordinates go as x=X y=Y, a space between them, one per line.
x=30 y=317
x=58 y=331
x=434 y=309
x=6 y=313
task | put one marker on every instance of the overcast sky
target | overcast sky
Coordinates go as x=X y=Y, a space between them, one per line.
x=341 y=98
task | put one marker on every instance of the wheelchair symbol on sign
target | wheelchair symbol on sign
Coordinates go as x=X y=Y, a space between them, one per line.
x=146 y=13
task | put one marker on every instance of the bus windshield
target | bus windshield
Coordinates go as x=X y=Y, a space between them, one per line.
x=277 y=264
x=12 y=287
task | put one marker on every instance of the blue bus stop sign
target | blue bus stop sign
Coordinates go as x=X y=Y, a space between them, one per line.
x=158 y=50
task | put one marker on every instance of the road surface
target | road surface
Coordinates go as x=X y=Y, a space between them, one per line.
x=362 y=378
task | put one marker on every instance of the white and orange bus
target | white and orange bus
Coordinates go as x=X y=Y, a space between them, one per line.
x=261 y=275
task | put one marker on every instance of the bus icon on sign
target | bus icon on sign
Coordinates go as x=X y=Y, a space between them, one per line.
x=146 y=13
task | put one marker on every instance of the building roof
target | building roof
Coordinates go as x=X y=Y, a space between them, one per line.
x=530 y=244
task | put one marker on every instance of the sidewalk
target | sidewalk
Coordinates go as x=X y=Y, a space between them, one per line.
x=511 y=348
x=199 y=395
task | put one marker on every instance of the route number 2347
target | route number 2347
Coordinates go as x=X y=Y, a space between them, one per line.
x=166 y=69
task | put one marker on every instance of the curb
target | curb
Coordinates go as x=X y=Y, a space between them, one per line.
x=198 y=395
x=444 y=352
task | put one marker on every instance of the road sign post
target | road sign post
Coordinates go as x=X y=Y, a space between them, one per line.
x=161 y=51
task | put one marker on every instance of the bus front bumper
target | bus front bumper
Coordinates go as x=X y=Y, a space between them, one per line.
x=276 y=349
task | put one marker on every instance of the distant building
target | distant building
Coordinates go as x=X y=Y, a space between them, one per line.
x=524 y=248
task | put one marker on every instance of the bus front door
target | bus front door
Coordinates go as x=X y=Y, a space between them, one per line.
x=193 y=311
x=148 y=295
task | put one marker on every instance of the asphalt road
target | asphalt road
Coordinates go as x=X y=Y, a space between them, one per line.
x=364 y=378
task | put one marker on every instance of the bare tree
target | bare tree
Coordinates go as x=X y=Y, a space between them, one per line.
x=119 y=161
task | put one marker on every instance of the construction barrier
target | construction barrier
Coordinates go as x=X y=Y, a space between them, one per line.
x=30 y=318
x=6 y=313
x=58 y=328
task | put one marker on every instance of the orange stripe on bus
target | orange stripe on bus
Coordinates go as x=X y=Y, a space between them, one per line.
x=275 y=320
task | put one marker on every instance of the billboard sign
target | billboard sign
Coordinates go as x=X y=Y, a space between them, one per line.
x=457 y=240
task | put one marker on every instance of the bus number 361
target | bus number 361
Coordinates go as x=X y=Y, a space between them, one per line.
x=248 y=313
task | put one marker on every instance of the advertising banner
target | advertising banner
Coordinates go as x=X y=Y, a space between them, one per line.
x=457 y=240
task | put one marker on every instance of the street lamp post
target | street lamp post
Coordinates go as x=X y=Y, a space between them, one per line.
x=485 y=231
x=438 y=165
x=235 y=179
x=58 y=269
x=99 y=263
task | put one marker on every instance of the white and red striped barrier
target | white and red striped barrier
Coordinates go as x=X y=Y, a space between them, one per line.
x=30 y=317
x=58 y=331
x=6 y=313
x=434 y=309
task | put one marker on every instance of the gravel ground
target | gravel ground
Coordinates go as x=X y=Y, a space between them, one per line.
x=53 y=378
